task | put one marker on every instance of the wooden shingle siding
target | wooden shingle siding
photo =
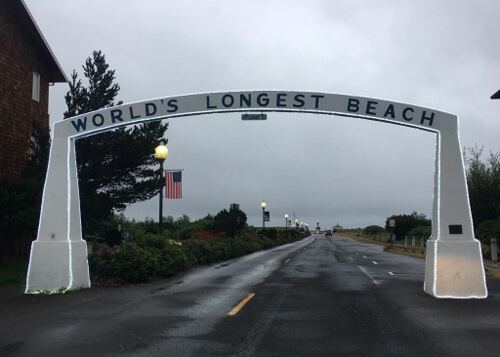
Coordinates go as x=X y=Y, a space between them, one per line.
x=22 y=52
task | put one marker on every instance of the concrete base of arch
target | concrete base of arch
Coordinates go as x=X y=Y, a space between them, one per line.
x=454 y=269
x=57 y=265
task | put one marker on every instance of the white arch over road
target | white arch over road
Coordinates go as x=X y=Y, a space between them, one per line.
x=454 y=265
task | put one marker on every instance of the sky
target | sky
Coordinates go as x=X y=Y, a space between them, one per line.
x=440 y=54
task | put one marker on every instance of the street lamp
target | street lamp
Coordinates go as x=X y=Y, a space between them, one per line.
x=161 y=153
x=286 y=221
x=296 y=223
x=263 y=205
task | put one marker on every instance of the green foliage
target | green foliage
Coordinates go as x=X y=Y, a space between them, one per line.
x=149 y=240
x=487 y=230
x=152 y=256
x=406 y=222
x=149 y=225
x=187 y=232
x=483 y=180
x=20 y=199
x=13 y=271
x=420 y=231
x=232 y=222
x=127 y=263
x=61 y=291
x=269 y=233
x=19 y=211
x=373 y=230
x=114 y=168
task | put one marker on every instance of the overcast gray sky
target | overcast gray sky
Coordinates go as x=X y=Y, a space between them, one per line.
x=441 y=54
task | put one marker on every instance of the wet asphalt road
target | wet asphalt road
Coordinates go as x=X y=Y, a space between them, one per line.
x=317 y=297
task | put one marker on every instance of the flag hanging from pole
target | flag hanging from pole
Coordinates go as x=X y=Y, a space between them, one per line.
x=173 y=181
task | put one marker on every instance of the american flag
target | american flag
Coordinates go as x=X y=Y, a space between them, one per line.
x=173 y=181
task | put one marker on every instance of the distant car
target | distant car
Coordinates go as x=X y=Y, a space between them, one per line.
x=328 y=233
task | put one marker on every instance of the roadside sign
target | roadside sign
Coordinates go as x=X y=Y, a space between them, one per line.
x=267 y=216
x=392 y=223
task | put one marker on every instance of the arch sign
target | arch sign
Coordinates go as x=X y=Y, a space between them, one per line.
x=454 y=264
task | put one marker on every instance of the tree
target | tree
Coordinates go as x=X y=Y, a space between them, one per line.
x=115 y=167
x=487 y=230
x=231 y=222
x=483 y=180
x=406 y=222
x=420 y=231
x=373 y=229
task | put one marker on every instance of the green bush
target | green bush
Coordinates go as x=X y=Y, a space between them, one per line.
x=373 y=230
x=174 y=259
x=269 y=233
x=186 y=233
x=152 y=256
x=128 y=263
x=420 y=231
x=148 y=239
x=487 y=230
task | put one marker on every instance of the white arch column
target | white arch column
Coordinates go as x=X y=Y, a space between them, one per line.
x=58 y=258
x=454 y=264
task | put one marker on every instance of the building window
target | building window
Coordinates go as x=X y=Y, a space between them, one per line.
x=36 y=87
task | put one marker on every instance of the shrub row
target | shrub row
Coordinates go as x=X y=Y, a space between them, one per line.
x=152 y=256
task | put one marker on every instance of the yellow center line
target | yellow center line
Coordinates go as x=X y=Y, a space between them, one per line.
x=286 y=261
x=241 y=304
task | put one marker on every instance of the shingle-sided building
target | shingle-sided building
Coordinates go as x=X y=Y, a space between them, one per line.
x=27 y=69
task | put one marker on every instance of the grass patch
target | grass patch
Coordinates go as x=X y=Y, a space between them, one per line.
x=13 y=271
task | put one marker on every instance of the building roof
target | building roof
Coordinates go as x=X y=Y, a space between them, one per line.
x=27 y=22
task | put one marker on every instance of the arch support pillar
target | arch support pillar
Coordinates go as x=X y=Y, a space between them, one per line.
x=58 y=258
x=454 y=263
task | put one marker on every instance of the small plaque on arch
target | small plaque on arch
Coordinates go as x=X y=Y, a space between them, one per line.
x=455 y=229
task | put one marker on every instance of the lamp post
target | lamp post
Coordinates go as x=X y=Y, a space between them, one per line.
x=296 y=223
x=286 y=221
x=161 y=153
x=263 y=205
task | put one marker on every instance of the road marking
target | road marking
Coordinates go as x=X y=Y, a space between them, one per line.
x=242 y=303
x=411 y=274
x=374 y=262
x=286 y=261
x=364 y=256
x=375 y=281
